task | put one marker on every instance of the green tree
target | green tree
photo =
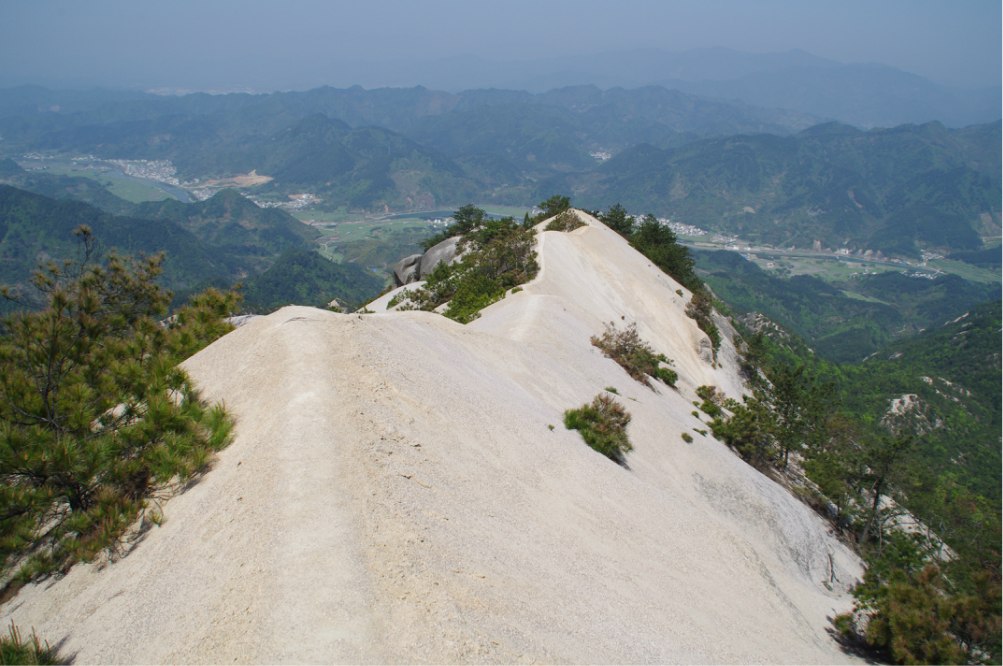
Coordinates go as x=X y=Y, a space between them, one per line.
x=832 y=461
x=465 y=219
x=753 y=350
x=801 y=409
x=658 y=243
x=883 y=457
x=749 y=429
x=617 y=219
x=553 y=206
x=93 y=408
x=915 y=617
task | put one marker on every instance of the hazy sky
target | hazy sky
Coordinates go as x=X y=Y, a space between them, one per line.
x=290 y=44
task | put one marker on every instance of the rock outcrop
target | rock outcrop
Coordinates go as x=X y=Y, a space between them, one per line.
x=416 y=266
x=401 y=489
x=406 y=270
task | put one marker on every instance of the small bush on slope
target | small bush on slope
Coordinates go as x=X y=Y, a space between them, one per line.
x=634 y=355
x=603 y=425
x=566 y=221
x=94 y=410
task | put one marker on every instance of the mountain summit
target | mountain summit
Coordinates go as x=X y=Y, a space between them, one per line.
x=401 y=489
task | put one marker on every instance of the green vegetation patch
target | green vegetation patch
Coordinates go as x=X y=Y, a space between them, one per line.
x=497 y=256
x=30 y=651
x=565 y=221
x=634 y=355
x=96 y=411
x=603 y=426
x=304 y=277
x=712 y=400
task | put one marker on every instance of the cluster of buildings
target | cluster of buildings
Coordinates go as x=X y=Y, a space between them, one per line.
x=296 y=201
x=681 y=229
x=921 y=274
x=161 y=171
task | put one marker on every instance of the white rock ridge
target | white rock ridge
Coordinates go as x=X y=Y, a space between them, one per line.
x=395 y=493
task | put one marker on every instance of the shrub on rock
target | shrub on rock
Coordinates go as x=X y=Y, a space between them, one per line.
x=603 y=426
x=634 y=354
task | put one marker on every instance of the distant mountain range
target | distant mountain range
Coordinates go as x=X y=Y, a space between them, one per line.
x=768 y=174
x=864 y=95
x=892 y=190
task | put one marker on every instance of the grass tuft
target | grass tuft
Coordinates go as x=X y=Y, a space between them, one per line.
x=16 y=650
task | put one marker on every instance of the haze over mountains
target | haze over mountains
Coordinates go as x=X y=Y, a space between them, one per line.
x=770 y=175
x=861 y=94
x=866 y=95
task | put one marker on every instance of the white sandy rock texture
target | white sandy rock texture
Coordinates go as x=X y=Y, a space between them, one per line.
x=401 y=489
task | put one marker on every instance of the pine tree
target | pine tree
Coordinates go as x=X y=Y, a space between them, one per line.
x=94 y=410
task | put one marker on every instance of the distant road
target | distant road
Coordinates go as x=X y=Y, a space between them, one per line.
x=803 y=254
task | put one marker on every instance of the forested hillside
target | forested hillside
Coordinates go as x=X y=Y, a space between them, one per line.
x=36 y=229
x=842 y=327
x=953 y=369
x=913 y=433
x=216 y=242
x=891 y=190
x=303 y=277
x=233 y=224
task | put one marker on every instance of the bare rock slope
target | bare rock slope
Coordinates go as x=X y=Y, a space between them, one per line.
x=401 y=489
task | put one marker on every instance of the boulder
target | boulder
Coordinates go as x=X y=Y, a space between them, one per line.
x=705 y=349
x=240 y=320
x=444 y=251
x=406 y=270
